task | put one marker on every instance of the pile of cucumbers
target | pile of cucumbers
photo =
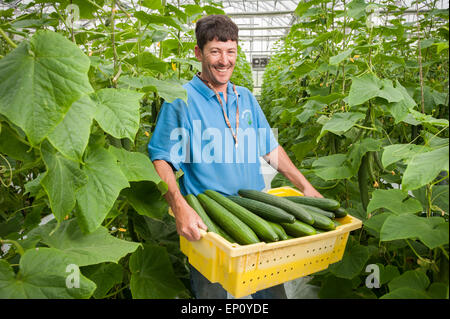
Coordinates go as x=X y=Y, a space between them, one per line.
x=255 y=216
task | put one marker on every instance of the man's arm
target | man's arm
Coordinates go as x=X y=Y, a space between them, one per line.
x=280 y=161
x=187 y=220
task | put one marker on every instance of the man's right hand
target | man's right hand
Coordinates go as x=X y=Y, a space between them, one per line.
x=188 y=221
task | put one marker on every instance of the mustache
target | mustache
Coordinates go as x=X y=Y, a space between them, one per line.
x=219 y=65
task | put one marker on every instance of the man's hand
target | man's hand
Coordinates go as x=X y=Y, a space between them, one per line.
x=188 y=221
x=312 y=192
x=280 y=161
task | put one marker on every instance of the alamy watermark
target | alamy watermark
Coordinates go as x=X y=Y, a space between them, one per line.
x=213 y=145
x=373 y=279
x=73 y=279
x=73 y=14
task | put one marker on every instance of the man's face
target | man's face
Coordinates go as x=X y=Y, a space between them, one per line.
x=218 y=59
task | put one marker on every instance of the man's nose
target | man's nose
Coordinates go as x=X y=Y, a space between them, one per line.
x=223 y=58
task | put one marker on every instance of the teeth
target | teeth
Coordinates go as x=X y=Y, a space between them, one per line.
x=221 y=70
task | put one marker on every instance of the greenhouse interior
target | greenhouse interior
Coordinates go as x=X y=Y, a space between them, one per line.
x=353 y=205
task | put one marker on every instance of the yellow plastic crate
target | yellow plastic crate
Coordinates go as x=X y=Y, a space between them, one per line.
x=245 y=269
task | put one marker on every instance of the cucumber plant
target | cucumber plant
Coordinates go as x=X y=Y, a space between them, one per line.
x=361 y=105
x=78 y=101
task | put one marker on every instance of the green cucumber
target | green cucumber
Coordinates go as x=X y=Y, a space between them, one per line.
x=212 y=227
x=341 y=212
x=227 y=221
x=336 y=223
x=195 y=204
x=293 y=208
x=266 y=211
x=363 y=179
x=322 y=222
x=323 y=203
x=298 y=229
x=318 y=210
x=222 y=233
x=262 y=229
x=279 y=230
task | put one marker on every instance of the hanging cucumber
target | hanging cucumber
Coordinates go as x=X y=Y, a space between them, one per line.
x=363 y=176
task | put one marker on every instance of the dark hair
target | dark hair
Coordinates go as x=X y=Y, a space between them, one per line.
x=215 y=26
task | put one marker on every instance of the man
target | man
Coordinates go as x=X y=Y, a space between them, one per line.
x=220 y=132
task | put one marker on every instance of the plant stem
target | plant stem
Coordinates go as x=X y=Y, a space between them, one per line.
x=115 y=292
x=113 y=42
x=444 y=252
x=414 y=251
x=5 y=36
x=422 y=100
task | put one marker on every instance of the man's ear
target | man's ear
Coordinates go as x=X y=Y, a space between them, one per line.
x=198 y=53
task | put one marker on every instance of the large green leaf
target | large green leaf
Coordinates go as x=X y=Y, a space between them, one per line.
x=352 y=263
x=61 y=181
x=432 y=231
x=396 y=152
x=310 y=108
x=303 y=6
x=406 y=293
x=369 y=86
x=419 y=172
x=340 y=123
x=135 y=166
x=363 y=89
x=374 y=223
x=146 y=199
x=117 y=112
x=152 y=275
x=43 y=273
x=359 y=149
x=40 y=80
x=105 y=181
x=335 y=60
x=356 y=9
x=158 y=19
x=84 y=249
x=414 y=279
x=152 y=4
x=105 y=276
x=400 y=109
x=71 y=136
x=12 y=144
x=332 y=167
x=168 y=90
x=395 y=200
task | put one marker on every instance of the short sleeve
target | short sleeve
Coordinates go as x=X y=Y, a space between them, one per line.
x=170 y=137
x=267 y=141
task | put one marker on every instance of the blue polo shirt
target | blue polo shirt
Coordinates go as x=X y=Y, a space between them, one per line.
x=195 y=138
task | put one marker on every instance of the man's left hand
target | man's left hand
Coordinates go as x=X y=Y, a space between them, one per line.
x=311 y=192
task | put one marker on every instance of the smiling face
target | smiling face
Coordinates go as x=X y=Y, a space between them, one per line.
x=218 y=59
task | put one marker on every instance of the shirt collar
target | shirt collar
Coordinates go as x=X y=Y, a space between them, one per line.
x=206 y=91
